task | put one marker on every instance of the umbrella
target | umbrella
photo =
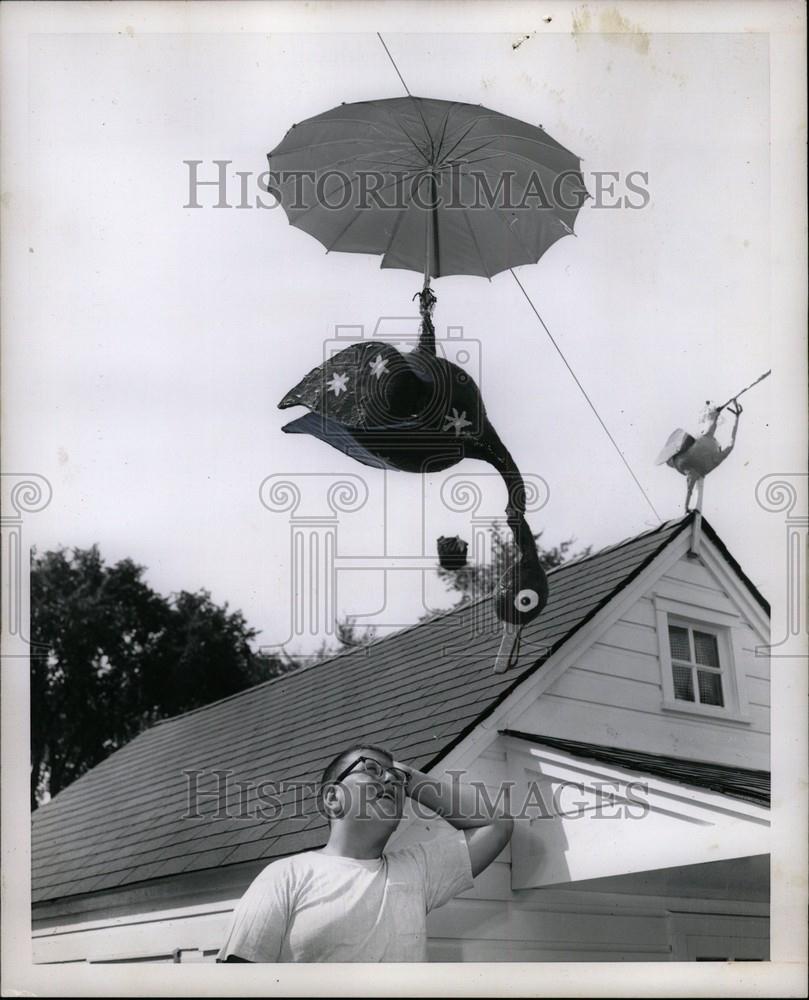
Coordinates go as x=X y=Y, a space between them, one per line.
x=433 y=186
x=677 y=441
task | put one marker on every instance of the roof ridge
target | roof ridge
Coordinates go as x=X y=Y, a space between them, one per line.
x=624 y=541
x=728 y=556
x=460 y=606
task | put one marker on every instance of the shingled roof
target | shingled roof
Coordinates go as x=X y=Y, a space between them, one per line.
x=418 y=691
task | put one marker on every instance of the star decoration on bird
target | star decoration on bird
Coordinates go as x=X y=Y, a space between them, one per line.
x=456 y=422
x=338 y=383
x=378 y=366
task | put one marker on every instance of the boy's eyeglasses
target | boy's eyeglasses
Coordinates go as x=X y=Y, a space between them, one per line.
x=375 y=770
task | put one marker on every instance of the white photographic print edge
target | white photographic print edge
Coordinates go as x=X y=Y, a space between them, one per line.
x=145 y=345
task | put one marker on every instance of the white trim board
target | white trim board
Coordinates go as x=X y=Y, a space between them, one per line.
x=586 y=820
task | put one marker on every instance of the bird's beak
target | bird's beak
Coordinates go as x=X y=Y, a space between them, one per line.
x=509 y=646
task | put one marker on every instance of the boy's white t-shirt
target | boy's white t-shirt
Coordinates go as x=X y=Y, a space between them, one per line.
x=315 y=907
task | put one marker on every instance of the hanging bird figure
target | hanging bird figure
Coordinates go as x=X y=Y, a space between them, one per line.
x=418 y=412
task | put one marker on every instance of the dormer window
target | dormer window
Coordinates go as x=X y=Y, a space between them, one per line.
x=700 y=661
x=695 y=665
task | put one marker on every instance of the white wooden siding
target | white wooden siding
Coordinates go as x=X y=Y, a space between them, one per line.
x=612 y=693
x=523 y=930
x=490 y=923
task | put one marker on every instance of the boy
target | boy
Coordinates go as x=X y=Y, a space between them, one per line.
x=350 y=901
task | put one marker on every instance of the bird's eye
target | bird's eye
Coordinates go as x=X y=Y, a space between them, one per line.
x=526 y=600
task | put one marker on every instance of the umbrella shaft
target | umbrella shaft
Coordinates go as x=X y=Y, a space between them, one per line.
x=427 y=254
x=759 y=379
x=430 y=236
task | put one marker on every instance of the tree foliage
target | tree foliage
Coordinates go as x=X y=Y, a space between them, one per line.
x=349 y=633
x=110 y=656
x=476 y=580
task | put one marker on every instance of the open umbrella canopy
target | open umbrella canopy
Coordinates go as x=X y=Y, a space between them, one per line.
x=434 y=186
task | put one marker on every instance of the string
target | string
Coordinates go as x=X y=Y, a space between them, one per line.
x=584 y=393
x=550 y=337
x=381 y=39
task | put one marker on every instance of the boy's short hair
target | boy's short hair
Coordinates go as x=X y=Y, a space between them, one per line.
x=341 y=761
x=339 y=764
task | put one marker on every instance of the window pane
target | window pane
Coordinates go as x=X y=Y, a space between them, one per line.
x=706 y=649
x=710 y=688
x=678 y=640
x=683 y=683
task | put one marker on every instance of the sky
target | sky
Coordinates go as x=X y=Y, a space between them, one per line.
x=158 y=339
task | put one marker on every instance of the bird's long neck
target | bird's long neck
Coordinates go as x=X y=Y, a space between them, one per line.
x=491 y=449
x=524 y=540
